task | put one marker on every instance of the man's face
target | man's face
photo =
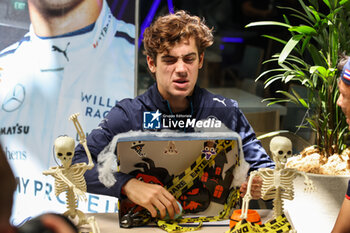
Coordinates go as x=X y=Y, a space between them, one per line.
x=344 y=100
x=55 y=7
x=176 y=72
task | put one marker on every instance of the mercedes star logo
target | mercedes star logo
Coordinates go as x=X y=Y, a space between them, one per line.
x=14 y=98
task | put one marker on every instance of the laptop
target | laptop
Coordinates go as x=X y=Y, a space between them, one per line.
x=199 y=169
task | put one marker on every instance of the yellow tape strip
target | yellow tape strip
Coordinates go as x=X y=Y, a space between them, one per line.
x=278 y=225
x=185 y=180
x=174 y=227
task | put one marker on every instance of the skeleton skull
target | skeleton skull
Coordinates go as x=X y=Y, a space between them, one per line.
x=64 y=150
x=281 y=148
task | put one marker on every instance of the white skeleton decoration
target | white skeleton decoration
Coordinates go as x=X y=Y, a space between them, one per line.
x=277 y=183
x=70 y=177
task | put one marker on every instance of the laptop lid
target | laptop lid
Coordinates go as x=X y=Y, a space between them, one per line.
x=199 y=169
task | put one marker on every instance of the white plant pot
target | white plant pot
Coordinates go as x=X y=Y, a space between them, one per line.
x=317 y=211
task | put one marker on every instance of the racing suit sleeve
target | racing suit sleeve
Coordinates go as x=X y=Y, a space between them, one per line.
x=115 y=122
x=253 y=151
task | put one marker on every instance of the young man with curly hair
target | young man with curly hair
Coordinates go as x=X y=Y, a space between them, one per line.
x=174 y=45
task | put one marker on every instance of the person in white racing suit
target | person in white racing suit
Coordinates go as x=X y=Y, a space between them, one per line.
x=76 y=57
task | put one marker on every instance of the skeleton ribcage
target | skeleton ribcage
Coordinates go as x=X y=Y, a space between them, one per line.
x=74 y=175
x=273 y=180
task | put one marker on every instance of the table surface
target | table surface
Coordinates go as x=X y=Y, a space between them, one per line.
x=109 y=223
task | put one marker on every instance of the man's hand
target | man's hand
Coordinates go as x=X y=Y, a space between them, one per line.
x=151 y=197
x=255 y=189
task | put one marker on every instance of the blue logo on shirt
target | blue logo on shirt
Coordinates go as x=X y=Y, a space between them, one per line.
x=151 y=120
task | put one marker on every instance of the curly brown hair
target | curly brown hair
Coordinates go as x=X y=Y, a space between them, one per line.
x=170 y=29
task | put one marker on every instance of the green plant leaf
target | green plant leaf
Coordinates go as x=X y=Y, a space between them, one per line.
x=305 y=30
x=314 y=3
x=278 y=101
x=289 y=96
x=289 y=47
x=288 y=78
x=305 y=44
x=307 y=11
x=271 y=134
x=309 y=58
x=273 y=79
x=303 y=19
x=317 y=16
x=301 y=100
x=320 y=69
x=312 y=123
x=316 y=56
x=328 y=4
x=267 y=23
x=276 y=39
x=268 y=71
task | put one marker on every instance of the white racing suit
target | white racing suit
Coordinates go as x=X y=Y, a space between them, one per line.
x=45 y=80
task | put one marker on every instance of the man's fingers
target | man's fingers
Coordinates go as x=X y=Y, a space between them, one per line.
x=257 y=180
x=173 y=204
x=160 y=207
x=243 y=189
x=154 y=198
x=255 y=189
x=166 y=204
x=152 y=210
x=256 y=194
x=170 y=208
x=177 y=208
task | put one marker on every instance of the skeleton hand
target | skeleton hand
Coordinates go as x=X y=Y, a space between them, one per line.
x=80 y=194
x=74 y=118
x=250 y=189
x=51 y=171
x=47 y=172
x=245 y=205
x=309 y=186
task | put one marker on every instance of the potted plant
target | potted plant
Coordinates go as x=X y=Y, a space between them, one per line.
x=309 y=58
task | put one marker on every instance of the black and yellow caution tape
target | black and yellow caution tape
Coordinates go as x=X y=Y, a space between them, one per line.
x=172 y=226
x=278 y=225
x=175 y=227
x=184 y=181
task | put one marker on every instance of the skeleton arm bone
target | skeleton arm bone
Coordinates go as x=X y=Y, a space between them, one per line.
x=247 y=197
x=90 y=165
x=308 y=182
x=82 y=139
x=51 y=171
